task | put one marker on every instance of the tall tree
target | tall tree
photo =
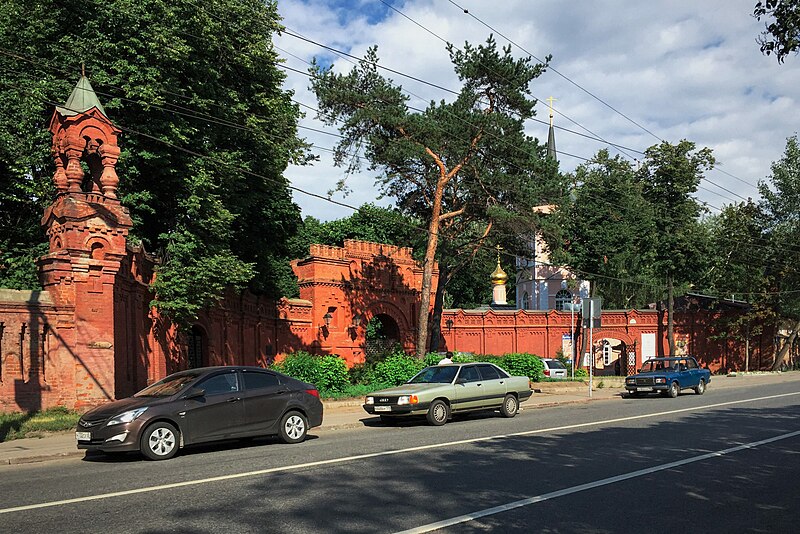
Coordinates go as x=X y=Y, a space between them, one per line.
x=737 y=267
x=465 y=158
x=781 y=204
x=208 y=131
x=670 y=176
x=605 y=232
x=782 y=35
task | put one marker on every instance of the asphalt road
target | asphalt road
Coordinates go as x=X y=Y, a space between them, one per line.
x=726 y=461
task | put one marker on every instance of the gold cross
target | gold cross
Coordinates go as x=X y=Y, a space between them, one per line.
x=551 y=100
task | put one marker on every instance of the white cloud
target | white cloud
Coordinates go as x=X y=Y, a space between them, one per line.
x=680 y=68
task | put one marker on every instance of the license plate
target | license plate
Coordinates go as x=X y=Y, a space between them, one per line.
x=83 y=436
x=383 y=408
x=644 y=389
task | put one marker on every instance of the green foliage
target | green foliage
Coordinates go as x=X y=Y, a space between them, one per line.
x=333 y=373
x=580 y=372
x=15 y=425
x=397 y=369
x=18 y=266
x=669 y=178
x=432 y=358
x=606 y=232
x=523 y=364
x=361 y=374
x=207 y=134
x=782 y=35
x=467 y=357
x=328 y=372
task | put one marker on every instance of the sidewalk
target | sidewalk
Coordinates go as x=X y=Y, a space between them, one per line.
x=349 y=413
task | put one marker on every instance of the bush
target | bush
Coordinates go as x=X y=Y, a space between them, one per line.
x=361 y=373
x=333 y=373
x=580 y=372
x=466 y=357
x=432 y=358
x=396 y=369
x=327 y=372
x=523 y=364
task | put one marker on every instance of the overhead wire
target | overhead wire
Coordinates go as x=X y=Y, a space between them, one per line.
x=323 y=198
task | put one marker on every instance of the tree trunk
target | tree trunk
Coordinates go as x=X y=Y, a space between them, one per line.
x=781 y=356
x=427 y=270
x=438 y=304
x=670 y=317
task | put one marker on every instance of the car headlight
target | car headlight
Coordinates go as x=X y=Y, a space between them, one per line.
x=661 y=380
x=630 y=380
x=407 y=399
x=369 y=400
x=126 y=417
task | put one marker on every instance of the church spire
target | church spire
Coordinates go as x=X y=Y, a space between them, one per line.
x=551 y=134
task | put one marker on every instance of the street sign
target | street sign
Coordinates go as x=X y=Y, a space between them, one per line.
x=592 y=309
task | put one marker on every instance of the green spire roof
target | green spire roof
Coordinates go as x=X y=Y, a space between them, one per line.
x=551 y=143
x=81 y=100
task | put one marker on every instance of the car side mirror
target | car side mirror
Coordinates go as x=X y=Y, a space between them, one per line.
x=195 y=393
x=461 y=380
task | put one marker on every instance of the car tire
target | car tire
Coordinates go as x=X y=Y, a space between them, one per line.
x=673 y=390
x=701 y=387
x=159 y=441
x=510 y=406
x=293 y=427
x=438 y=413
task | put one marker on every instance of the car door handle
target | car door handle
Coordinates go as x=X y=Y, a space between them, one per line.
x=234 y=399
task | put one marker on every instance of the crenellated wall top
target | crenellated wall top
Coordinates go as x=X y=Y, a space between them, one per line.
x=354 y=248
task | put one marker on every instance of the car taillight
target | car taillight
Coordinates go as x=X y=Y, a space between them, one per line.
x=547 y=372
x=313 y=392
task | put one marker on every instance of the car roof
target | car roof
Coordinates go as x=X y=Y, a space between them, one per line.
x=462 y=364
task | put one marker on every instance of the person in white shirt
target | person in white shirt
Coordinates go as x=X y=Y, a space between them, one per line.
x=448 y=358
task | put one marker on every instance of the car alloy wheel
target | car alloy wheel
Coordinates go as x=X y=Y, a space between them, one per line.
x=701 y=387
x=510 y=406
x=438 y=413
x=673 y=390
x=294 y=427
x=159 y=441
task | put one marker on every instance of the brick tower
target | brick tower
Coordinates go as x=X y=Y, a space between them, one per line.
x=87 y=227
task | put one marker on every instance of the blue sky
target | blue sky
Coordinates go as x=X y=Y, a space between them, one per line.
x=671 y=69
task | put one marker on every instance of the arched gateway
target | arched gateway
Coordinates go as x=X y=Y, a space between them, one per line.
x=347 y=287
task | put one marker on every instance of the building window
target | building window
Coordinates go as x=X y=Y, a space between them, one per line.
x=526 y=301
x=563 y=300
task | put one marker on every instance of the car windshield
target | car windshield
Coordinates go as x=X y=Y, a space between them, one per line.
x=169 y=386
x=657 y=365
x=440 y=374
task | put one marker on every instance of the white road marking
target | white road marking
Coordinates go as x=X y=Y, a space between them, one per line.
x=589 y=485
x=344 y=459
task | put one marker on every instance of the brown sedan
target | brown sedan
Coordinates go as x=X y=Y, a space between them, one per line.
x=202 y=405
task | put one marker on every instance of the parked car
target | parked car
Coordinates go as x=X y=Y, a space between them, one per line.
x=202 y=405
x=554 y=368
x=669 y=376
x=439 y=391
